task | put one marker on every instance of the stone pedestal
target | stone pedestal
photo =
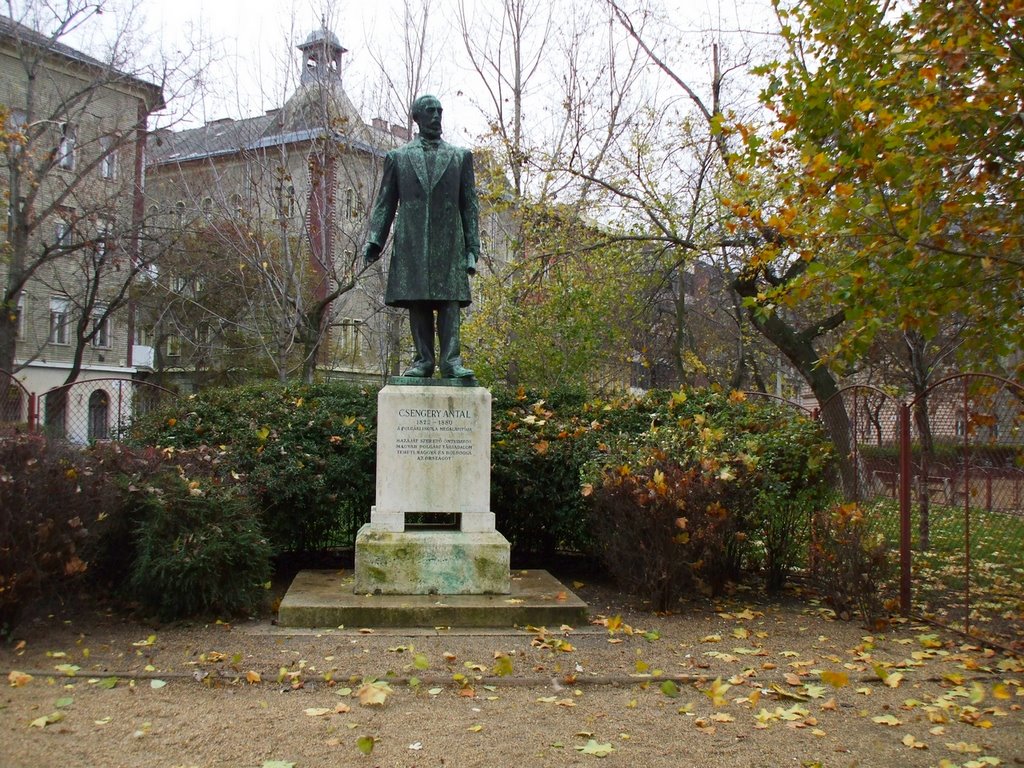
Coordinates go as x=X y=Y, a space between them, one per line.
x=433 y=456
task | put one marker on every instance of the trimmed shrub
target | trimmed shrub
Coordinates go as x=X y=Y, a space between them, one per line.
x=199 y=549
x=661 y=529
x=306 y=453
x=537 y=455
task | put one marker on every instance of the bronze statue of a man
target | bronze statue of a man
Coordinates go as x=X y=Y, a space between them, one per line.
x=436 y=238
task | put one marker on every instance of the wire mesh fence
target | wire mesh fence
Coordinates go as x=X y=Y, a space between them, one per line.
x=943 y=478
x=98 y=409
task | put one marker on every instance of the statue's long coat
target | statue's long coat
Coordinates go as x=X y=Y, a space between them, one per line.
x=436 y=229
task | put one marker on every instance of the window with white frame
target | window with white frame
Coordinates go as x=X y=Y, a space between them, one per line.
x=16 y=122
x=60 y=319
x=143 y=333
x=101 y=328
x=104 y=235
x=19 y=326
x=179 y=284
x=108 y=158
x=66 y=146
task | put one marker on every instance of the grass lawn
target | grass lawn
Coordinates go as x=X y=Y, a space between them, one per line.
x=941 y=588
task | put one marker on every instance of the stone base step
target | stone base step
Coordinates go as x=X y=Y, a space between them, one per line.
x=326 y=599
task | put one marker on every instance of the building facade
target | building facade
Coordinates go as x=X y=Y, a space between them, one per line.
x=72 y=179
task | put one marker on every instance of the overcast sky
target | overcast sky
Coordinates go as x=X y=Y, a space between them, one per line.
x=249 y=60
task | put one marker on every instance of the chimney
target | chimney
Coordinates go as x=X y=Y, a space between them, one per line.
x=400 y=131
x=380 y=123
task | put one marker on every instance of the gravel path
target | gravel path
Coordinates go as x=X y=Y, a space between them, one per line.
x=731 y=683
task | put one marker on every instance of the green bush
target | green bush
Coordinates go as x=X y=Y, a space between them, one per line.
x=198 y=549
x=536 y=459
x=307 y=453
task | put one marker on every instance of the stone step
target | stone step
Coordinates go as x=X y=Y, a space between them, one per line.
x=326 y=599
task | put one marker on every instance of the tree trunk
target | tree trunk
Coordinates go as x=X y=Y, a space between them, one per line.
x=799 y=349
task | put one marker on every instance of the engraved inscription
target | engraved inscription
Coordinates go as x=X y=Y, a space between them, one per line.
x=434 y=434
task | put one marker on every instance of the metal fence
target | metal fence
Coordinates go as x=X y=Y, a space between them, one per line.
x=82 y=412
x=943 y=475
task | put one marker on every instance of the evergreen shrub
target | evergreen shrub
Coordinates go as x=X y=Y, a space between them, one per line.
x=199 y=548
x=307 y=453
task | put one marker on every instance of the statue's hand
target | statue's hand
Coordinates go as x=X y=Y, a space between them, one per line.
x=471 y=263
x=371 y=252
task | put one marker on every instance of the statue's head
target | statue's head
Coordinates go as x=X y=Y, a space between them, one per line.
x=426 y=112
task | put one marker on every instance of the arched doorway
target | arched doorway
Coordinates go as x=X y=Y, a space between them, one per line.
x=99 y=416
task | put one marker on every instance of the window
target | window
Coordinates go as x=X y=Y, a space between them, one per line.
x=63 y=232
x=174 y=345
x=66 y=146
x=179 y=284
x=203 y=334
x=104 y=233
x=19 y=324
x=207 y=206
x=101 y=328
x=99 y=415
x=351 y=343
x=60 y=319
x=17 y=123
x=108 y=158
x=179 y=212
x=143 y=332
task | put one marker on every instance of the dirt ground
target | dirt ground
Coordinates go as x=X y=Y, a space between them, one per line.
x=753 y=684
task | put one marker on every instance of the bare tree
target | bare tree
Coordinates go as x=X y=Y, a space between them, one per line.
x=77 y=125
x=275 y=206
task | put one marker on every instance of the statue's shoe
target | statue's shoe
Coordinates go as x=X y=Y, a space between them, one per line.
x=419 y=372
x=456 y=372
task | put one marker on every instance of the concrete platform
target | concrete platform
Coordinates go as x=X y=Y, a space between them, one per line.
x=325 y=599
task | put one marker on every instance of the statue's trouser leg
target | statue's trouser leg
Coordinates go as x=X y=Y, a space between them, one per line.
x=421 y=323
x=448 y=324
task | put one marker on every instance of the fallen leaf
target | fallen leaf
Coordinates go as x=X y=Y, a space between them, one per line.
x=253 y=677
x=910 y=741
x=835 y=679
x=157 y=684
x=365 y=744
x=18 y=679
x=595 y=749
x=373 y=694
x=717 y=692
x=475 y=728
x=317 y=711
x=889 y=720
x=50 y=719
x=963 y=748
